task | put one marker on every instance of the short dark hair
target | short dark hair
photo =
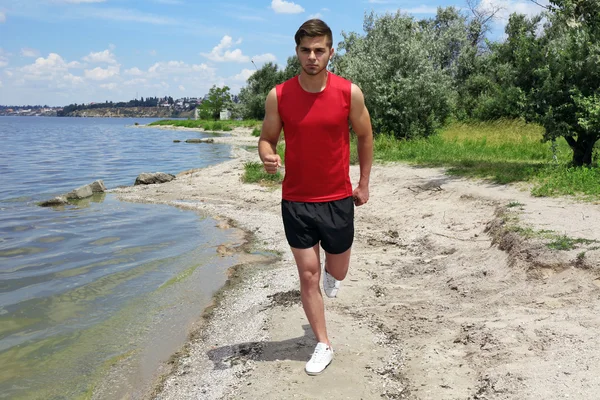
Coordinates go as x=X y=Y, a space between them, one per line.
x=314 y=28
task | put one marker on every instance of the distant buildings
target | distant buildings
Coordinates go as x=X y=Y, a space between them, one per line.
x=29 y=111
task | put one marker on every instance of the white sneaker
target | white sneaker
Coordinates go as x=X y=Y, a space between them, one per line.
x=330 y=284
x=320 y=359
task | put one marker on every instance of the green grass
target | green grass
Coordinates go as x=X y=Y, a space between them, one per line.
x=502 y=151
x=561 y=180
x=225 y=125
x=553 y=240
x=564 y=242
x=254 y=172
x=256 y=132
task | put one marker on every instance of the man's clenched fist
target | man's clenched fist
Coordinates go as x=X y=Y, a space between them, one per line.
x=271 y=162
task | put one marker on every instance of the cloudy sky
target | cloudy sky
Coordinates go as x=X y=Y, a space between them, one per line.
x=58 y=52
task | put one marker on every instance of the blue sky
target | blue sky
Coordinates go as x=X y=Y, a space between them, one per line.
x=58 y=52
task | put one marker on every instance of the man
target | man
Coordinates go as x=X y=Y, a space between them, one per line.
x=314 y=109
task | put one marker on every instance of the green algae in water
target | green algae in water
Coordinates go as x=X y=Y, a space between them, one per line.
x=15 y=324
x=104 y=241
x=73 y=365
x=20 y=251
x=87 y=268
x=51 y=239
x=141 y=249
x=179 y=278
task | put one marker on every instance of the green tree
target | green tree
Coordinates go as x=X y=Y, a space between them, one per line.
x=292 y=69
x=395 y=63
x=566 y=99
x=253 y=95
x=218 y=99
x=504 y=78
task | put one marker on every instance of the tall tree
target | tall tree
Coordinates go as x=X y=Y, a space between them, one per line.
x=566 y=97
x=217 y=100
x=252 y=97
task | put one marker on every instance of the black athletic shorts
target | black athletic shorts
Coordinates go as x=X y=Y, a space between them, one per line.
x=331 y=223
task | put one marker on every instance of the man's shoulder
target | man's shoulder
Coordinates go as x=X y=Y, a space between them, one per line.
x=288 y=82
x=339 y=80
x=340 y=83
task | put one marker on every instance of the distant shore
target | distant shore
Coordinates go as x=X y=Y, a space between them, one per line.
x=104 y=112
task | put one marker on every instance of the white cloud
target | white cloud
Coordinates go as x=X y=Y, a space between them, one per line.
x=27 y=52
x=46 y=66
x=136 y=82
x=317 y=15
x=2 y=17
x=263 y=58
x=152 y=53
x=47 y=76
x=100 y=74
x=74 y=64
x=220 y=54
x=171 y=68
x=508 y=7
x=101 y=57
x=8 y=73
x=72 y=79
x=286 y=7
x=0 y=83
x=181 y=88
x=112 y=46
x=133 y=71
x=109 y=86
x=244 y=75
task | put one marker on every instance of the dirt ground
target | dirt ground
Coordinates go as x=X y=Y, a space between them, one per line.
x=452 y=293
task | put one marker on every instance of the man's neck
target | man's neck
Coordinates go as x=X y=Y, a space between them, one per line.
x=313 y=83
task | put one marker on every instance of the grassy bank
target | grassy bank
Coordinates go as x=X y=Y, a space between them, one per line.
x=500 y=151
x=225 y=125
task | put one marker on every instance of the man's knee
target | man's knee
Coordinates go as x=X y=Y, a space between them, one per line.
x=309 y=278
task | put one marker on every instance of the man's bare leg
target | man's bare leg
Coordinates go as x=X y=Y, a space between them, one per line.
x=309 y=270
x=337 y=264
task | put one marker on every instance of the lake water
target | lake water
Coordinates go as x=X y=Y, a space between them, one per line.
x=101 y=283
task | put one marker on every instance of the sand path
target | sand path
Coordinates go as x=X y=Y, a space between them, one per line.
x=442 y=301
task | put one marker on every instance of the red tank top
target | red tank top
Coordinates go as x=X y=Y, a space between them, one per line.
x=317 y=140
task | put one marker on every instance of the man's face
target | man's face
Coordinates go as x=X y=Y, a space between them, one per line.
x=314 y=54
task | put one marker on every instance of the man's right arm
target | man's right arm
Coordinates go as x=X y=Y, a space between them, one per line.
x=269 y=136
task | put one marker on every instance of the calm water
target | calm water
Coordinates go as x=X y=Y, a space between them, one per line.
x=89 y=286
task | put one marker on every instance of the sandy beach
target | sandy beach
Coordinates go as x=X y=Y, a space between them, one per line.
x=443 y=299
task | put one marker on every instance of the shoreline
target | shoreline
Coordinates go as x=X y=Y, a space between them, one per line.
x=238 y=136
x=232 y=299
x=438 y=301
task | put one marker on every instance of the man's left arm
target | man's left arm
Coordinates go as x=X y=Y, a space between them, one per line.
x=361 y=124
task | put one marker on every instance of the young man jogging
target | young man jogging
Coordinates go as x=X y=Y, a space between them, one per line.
x=314 y=109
